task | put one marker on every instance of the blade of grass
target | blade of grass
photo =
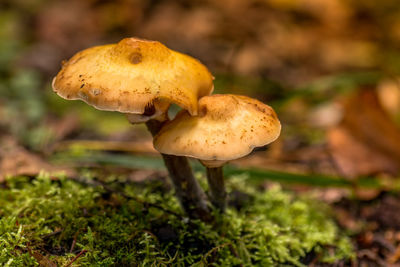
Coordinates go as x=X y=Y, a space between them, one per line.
x=109 y=159
x=255 y=175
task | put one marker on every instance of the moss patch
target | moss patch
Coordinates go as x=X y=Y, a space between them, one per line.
x=51 y=221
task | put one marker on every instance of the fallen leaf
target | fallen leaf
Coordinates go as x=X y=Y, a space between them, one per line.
x=367 y=120
x=367 y=142
x=41 y=259
x=353 y=157
x=16 y=160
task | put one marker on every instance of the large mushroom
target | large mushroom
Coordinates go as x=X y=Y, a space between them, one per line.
x=228 y=127
x=142 y=78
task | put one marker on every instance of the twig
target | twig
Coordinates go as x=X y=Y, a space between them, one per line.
x=112 y=190
x=74 y=242
x=76 y=257
x=51 y=234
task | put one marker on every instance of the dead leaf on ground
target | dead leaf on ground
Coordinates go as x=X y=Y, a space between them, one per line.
x=43 y=260
x=368 y=121
x=16 y=160
x=355 y=158
x=367 y=142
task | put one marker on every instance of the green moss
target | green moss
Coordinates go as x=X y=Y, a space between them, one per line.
x=41 y=218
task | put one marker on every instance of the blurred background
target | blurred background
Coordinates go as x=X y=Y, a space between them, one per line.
x=329 y=68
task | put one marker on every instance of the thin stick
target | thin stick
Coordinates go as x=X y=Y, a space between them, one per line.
x=76 y=257
x=52 y=234
x=74 y=242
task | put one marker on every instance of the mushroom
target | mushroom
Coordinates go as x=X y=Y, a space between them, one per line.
x=141 y=78
x=135 y=76
x=228 y=127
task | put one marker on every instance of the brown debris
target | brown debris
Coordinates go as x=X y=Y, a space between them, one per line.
x=16 y=160
x=367 y=142
x=387 y=213
x=354 y=157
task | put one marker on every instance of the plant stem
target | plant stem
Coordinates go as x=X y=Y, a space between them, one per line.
x=216 y=184
x=192 y=198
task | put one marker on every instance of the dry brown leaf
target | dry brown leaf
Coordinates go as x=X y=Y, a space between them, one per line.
x=367 y=141
x=43 y=260
x=367 y=120
x=353 y=157
x=16 y=160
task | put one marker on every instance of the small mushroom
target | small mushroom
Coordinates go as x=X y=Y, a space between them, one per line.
x=228 y=127
x=142 y=78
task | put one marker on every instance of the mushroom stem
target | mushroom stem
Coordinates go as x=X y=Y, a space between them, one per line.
x=192 y=198
x=216 y=184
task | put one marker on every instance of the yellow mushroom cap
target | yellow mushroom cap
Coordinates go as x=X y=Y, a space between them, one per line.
x=131 y=76
x=228 y=127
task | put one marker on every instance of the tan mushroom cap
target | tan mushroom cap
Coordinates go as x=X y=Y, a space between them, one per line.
x=133 y=75
x=228 y=127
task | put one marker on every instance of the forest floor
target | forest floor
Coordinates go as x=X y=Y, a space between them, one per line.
x=80 y=186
